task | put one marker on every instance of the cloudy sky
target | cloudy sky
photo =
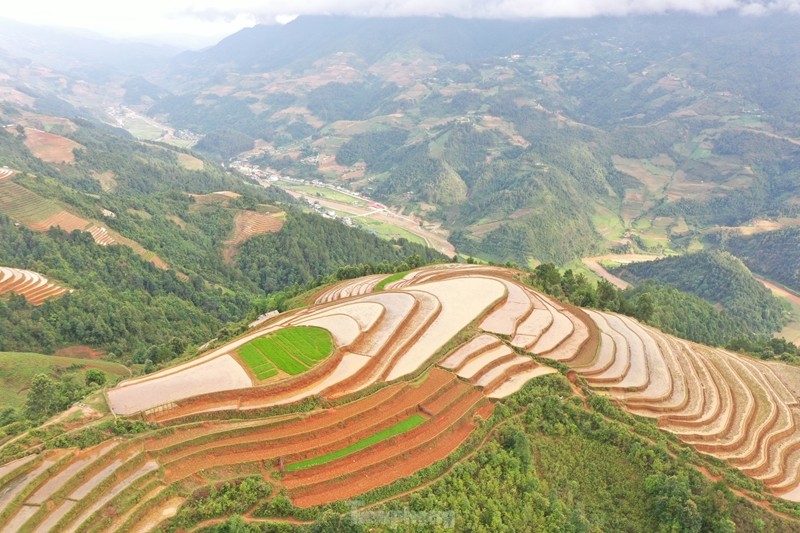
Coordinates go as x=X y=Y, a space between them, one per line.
x=210 y=20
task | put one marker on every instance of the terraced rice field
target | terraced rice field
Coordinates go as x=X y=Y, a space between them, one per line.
x=290 y=350
x=31 y=285
x=401 y=427
x=724 y=404
x=424 y=392
x=41 y=214
x=23 y=205
x=248 y=224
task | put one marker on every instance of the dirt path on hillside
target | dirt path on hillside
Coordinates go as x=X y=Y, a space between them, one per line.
x=779 y=290
x=593 y=264
x=773 y=135
x=792 y=298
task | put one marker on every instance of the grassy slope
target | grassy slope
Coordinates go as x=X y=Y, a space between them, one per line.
x=17 y=370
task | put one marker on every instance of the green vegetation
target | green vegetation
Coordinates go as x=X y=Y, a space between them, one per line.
x=391 y=279
x=387 y=230
x=324 y=192
x=24 y=205
x=292 y=350
x=309 y=247
x=718 y=278
x=532 y=152
x=225 y=143
x=126 y=306
x=686 y=315
x=774 y=254
x=349 y=101
x=123 y=304
x=764 y=348
x=371 y=147
x=257 y=361
x=225 y=499
x=57 y=385
x=397 y=429
x=18 y=369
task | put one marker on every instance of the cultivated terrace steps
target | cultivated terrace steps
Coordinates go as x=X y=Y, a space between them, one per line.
x=724 y=404
x=438 y=347
x=32 y=286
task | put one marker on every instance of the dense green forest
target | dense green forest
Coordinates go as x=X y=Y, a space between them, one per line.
x=718 y=278
x=122 y=304
x=775 y=254
x=309 y=247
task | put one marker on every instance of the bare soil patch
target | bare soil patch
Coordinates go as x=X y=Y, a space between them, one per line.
x=49 y=147
x=248 y=224
x=80 y=351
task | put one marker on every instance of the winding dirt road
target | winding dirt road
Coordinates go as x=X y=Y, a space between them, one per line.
x=593 y=264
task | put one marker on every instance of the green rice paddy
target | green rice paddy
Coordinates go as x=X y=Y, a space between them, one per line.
x=290 y=350
x=401 y=427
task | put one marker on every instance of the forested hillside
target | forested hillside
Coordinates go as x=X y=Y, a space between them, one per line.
x=309 y=247
x=721 y=279
x=774 y=254
x=558 y=139
x=168 y=284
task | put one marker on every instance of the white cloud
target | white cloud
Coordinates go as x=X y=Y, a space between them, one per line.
x=212 y=19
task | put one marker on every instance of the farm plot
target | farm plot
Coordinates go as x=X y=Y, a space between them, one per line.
x=31 y=285
x=401 y=427
x=463 y=300
x=353 y=287
x=721 y=403
x=724 y=404
x=469 y=349
x=50 y=147
x=735 y=408
x=291 y=350
x=381 y=336
x=219 y=374
x=375 y=440
x=516 y=308
x=41 y=214
x=24 y=205
x=248 y=224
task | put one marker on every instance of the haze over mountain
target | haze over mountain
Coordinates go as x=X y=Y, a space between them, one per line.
x=209 y=20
